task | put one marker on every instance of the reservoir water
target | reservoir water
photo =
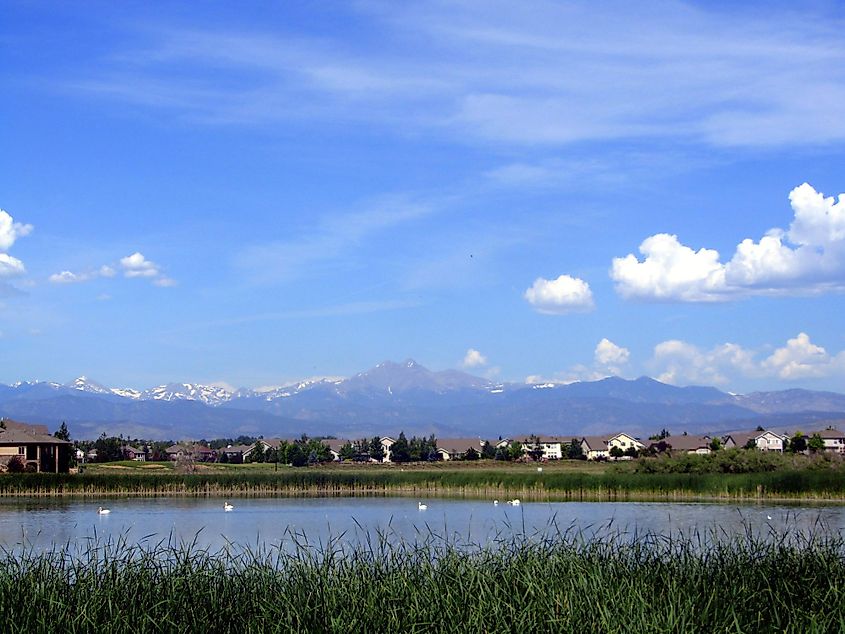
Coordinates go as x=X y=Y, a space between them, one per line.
x=273 y=522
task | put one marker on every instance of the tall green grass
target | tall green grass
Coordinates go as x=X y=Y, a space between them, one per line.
x=557 y=582
x=613 y=485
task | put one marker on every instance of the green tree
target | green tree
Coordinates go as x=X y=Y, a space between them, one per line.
x=716 y=444
x=109 y=448
x=632 y=452
x=816 y=443
x=401 y=450
x=534 y=448
x=798 y=443
x=515 y=451
x=347 y=451
x=62 y=432
x=471 y=454
x=376 y=449
x=616 y=452
x=296 y=456
x=574 y=451
x=488 y=452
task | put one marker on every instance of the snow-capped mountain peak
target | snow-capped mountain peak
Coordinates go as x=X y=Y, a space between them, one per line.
x=84 y=384
x=210 y=395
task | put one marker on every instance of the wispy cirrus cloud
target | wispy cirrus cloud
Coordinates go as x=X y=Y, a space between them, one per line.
x=547 y=74
x=329 y=239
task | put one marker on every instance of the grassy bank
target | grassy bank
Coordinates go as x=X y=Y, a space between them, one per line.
x=550 y=584
x=809 y=484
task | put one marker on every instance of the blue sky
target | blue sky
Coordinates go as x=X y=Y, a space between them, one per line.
x=252 y=194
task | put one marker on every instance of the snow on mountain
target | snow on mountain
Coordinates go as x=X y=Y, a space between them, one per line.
x=126 y=392
x=206 y=394
x=84 y=384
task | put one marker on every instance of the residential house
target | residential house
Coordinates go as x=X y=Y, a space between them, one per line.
x=456 y=448
x=764 y=440
x=595 y=447
x=549 y=447
x=386 y=443
x=598 y=447
x=190 y=451
x=334 y=445
x=834 y=440
x=133 y=453
x=35 y=447
x=234 y=453
x=264 y=444
x=682 y=444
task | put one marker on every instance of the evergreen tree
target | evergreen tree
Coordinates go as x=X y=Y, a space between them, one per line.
x=62 y=432
x=401 y=450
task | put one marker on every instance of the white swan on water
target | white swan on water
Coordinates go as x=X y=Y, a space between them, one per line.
x=513 y=502
x=102 y=511
x=228 y=507
x=422 y=506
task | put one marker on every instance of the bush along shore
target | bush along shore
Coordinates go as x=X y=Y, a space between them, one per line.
x=550 y=583
x=805 y=484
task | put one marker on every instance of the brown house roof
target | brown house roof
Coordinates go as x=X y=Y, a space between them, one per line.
x=459 y=445
x=20 y=433
x=684 y=443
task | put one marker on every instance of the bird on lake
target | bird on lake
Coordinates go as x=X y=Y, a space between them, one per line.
x=513 y=502
x=102 y=511
x=495 y=502
x=422 y=506
x=768 y=517
x=228 y=507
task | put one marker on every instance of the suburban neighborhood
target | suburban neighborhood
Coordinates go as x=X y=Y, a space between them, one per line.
x=25 y=447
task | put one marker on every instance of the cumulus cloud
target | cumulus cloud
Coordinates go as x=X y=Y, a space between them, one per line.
x=610 y=356
x=10 y=266
x=10 y=230
x=680 y=362
x=474 y=359
x=808 y=257
x=563 y=295
x=608 y=360
x=800 y=358
x=68 y=277
x=136 y=265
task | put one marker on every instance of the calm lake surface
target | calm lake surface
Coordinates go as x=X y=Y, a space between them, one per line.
x=40 y=523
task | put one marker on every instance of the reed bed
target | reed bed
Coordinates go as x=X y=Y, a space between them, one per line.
x=551 y=582
x=807 y=484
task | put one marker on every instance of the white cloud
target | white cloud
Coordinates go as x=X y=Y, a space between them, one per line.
x=679 y=362
x=165 y=282
x=10 y=266
x=136 y=265
x=563 y=295
x=67 y=277
x=809 y=257
x=801 y=359
x=610 y=356
x=10 y=230
x=498 y=71
x=474 y=359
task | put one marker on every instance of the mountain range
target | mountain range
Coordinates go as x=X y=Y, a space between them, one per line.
x=407 y=396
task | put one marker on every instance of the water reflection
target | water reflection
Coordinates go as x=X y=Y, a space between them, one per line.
x=40 y=523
